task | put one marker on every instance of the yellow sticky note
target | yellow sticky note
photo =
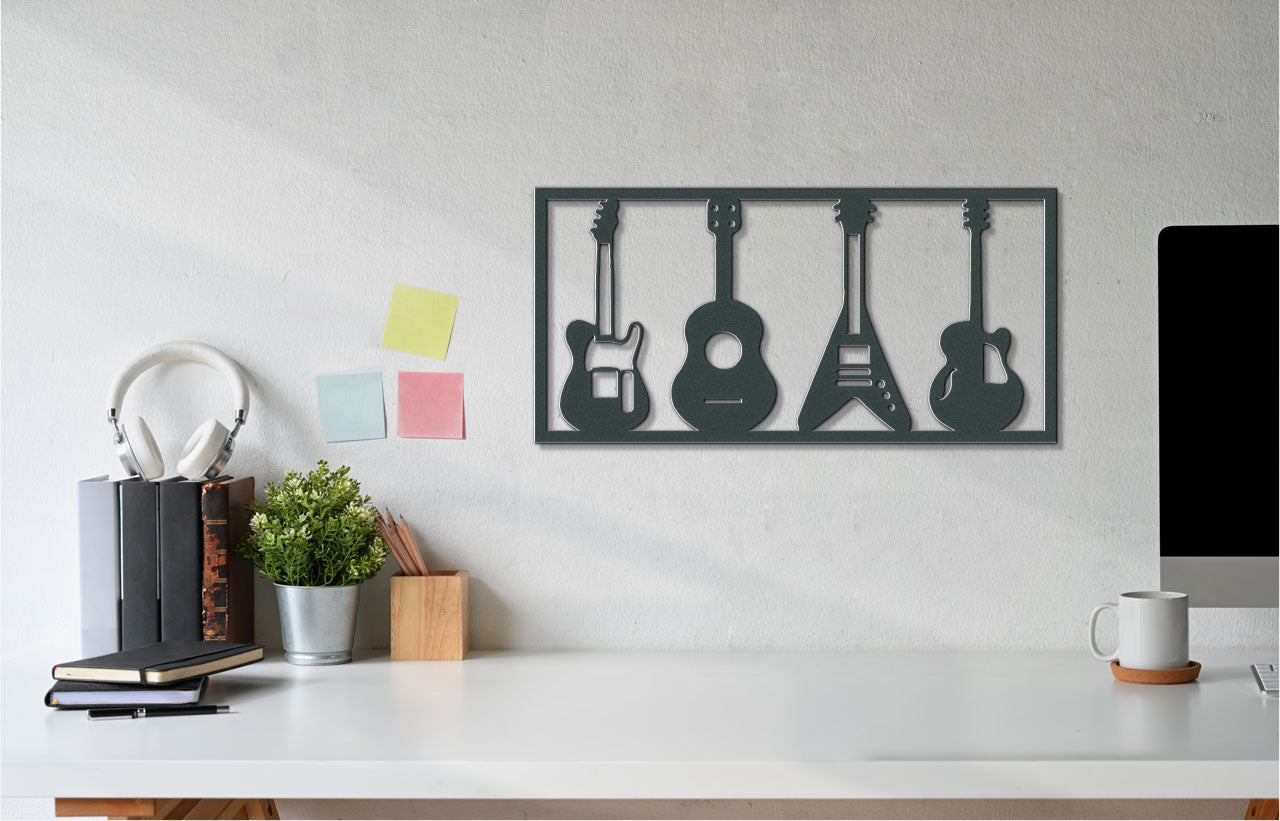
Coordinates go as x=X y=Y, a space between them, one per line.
x=420 y=321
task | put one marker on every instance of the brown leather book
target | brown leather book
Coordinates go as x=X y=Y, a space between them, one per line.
x=227 y=583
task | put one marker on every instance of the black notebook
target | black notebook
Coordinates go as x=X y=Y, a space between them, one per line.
x=81 y=695
x=161 y=663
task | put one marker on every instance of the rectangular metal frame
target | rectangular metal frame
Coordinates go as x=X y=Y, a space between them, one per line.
x=1049 y=196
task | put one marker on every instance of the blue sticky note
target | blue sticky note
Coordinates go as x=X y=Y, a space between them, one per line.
x=351 y=406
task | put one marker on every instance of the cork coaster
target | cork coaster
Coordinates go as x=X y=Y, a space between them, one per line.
x=1180 y=676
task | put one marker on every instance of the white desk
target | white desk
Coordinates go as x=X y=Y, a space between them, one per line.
x=667 y=725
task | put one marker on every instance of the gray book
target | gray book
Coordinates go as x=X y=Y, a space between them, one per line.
x=181 y=559
x=99 y=522
x=139 y=565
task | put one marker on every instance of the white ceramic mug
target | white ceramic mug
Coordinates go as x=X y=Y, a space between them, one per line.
x=1153 y=631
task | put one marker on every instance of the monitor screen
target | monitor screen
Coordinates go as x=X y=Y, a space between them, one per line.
x=1218 y=462
x=1218 y=336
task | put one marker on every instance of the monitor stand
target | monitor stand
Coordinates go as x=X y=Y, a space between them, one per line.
x=1222 y=581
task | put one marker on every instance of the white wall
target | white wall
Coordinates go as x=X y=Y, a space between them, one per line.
x=259 y=175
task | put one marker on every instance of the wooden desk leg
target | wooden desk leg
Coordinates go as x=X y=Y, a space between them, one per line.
x=261 y=808
x=147 y=809
x=1260 y=808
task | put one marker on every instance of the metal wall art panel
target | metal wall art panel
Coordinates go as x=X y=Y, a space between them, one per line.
x=725 y=404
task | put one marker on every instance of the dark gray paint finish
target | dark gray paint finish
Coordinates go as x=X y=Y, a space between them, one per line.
x=580 y=407
x=986 y=432
x=871 y=381
x=139 y=565
x=181 y=555
x=724 y=402
x=960 y=396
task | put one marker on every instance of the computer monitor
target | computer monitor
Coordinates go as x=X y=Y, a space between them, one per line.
x=1218 y=465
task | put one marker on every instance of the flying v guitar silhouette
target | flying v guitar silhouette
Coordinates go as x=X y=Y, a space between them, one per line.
x=853 y=365
x=975 y=396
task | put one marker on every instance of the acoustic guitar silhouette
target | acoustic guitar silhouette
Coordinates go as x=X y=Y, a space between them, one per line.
x=961 y=396
x=853 y=365
x=736 y=398
x=603 y=400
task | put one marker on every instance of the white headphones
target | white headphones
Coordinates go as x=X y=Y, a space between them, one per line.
x=209 y=448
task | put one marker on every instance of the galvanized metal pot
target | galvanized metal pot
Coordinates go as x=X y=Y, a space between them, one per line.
x=318 y=624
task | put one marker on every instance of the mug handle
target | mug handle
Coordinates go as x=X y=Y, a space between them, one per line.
x=1093 y=633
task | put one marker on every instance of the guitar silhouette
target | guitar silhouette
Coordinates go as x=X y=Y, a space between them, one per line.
x=961 y=396
x=853 y=365
x=736 y=398
x=603 y=401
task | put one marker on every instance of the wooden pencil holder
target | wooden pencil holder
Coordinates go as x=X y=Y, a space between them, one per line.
x=430 y=616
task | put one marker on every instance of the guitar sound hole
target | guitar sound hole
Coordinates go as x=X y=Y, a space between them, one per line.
x=723 y=350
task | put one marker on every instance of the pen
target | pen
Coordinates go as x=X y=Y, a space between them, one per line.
x=145 y=712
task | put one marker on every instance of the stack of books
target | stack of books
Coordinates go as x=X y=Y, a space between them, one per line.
x=158 y=562
x=165 y=673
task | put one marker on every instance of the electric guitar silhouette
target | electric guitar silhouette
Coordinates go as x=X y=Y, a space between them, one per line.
x=586 y=402
x=853 y=365
x=737 y=398
x=961 y=396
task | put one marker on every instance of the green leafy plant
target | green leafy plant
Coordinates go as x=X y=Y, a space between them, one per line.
x=315 y=531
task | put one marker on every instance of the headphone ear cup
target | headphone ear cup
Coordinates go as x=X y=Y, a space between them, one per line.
x=202 y=449
x=145 y=450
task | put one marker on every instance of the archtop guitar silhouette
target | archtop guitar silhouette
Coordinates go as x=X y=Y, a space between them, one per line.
x=736 y=398
x=605 y=400
x=853 y=365
x=961 y=396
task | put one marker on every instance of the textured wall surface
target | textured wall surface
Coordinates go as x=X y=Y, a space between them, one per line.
x=259 y=175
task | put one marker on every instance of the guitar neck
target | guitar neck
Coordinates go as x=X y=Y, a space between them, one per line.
x=854 y=215
x=975 y=276
x=855 y=288
x=604 y=289
x=724 y=266
x=976 y=213
x=602 y=230
x=724 y=218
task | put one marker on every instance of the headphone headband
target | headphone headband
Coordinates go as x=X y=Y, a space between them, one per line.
x=181 y=351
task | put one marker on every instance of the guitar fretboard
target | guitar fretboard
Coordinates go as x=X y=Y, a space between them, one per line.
x=604 y=290
x=603 y=229
x=854 y=215
x=977 y=219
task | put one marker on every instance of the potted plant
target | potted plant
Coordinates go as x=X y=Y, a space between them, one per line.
x=316 y=538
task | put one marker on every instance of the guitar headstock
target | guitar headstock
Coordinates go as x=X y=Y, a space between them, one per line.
x=977 y=212
x=606 y=222
x=724 y=216
x=854 y=214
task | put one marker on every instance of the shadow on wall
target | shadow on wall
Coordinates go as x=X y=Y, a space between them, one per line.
x=490 y=617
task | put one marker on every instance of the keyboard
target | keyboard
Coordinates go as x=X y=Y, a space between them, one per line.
x=1268 y=678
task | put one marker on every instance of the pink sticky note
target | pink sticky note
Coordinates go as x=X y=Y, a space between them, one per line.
x=429 y=406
